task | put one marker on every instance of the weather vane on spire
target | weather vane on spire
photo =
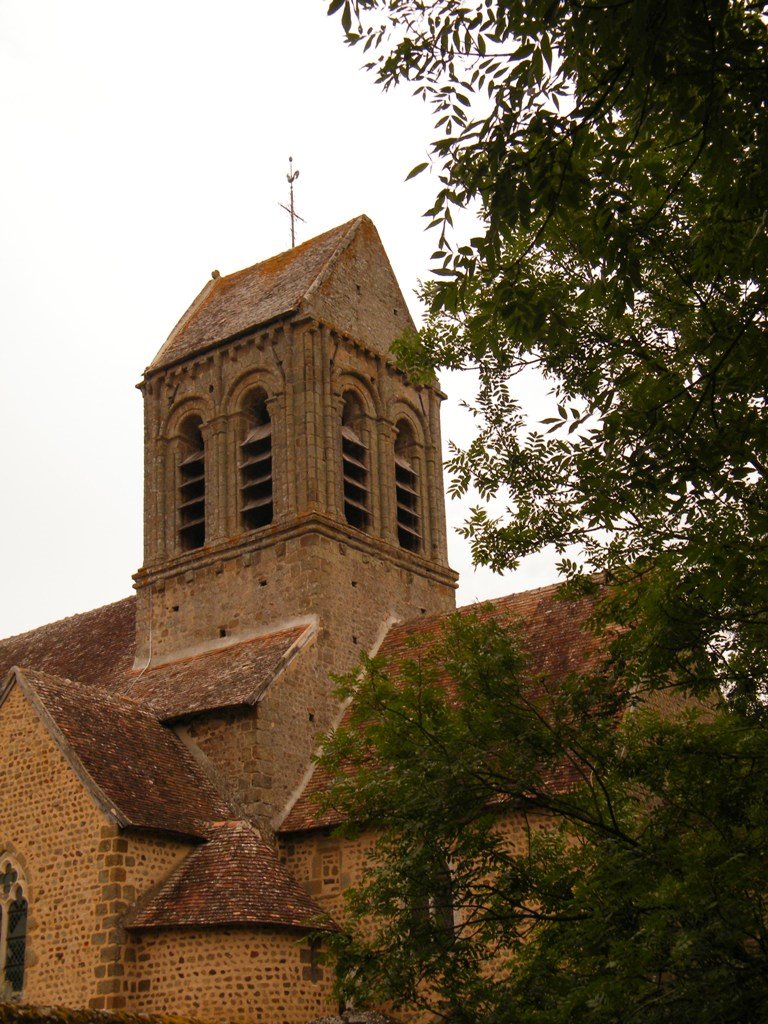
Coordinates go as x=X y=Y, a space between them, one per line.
x=291 y=176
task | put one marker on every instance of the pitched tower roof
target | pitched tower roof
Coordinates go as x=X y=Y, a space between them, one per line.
x=342 y=277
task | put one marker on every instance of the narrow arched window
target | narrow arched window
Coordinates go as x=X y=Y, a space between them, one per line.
x=354 y=464
x=407 y=488
x=255 y=464
x=192 y=485
x=13 y=928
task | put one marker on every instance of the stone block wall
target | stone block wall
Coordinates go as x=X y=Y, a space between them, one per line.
x=260 y=756
x=362 y=297
x=327 y=865
x=306 y=370
x=131 y=864
x=82 y=873
x=52 y=828
x=238 y=975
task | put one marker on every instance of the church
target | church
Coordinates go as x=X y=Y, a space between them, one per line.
x=160 y=848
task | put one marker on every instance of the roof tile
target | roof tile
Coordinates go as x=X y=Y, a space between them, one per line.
x=234 y=879
x=257 y=295
x=555 y=637
x=96 y=647
x=233 y=677
x=142 y=771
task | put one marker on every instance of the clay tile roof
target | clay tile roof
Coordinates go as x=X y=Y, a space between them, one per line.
x=137 y=770
x=228 y=306
x=233 y=677
x=557 y=642
x=234 y=879
x=95 y=648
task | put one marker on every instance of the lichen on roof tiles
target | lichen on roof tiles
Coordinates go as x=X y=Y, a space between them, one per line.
x=249 y=298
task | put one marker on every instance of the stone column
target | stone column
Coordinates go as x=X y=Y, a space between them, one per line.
x=435 y=474
x=329 y=448
x=387 y=481
x=216 y=505
x=276 y=408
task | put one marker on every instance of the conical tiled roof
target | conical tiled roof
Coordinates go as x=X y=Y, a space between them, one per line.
x=235 y=878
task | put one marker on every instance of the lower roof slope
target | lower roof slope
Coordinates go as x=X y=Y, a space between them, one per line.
x=97 y=648
x=234 y=676
x=138 y=771
x=555 y=636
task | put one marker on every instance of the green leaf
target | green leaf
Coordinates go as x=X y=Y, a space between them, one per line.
x=416 y=170
x=346 y=17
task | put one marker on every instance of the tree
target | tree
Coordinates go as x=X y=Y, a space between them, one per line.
x=644 y=898
x=615 y=156
x=616 y=153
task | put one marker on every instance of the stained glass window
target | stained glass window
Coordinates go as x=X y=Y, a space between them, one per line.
x=13 y=927
x=15 y=945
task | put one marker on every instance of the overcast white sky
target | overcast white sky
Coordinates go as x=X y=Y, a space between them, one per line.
x=143 y=145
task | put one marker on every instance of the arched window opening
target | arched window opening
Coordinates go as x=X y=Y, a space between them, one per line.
x=354 y=464
x=192 y=486
x=407 y=489
x=13 y=928
x=256 y=507
x=431 y=905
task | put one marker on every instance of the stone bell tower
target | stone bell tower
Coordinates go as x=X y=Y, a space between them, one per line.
x=291 y=469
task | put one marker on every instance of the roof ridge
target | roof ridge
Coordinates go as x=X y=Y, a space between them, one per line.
x=161 y=787
x=96 y=694
x=272 y=895
x=351 y=229
x=224 y=648
x=548 y=587
x=57 y=734
x=67 y=618
x=199 y=300
x=286 y=252
x=405 y=624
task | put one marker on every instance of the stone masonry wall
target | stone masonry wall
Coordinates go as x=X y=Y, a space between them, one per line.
x=260 y=756
x=82 y=873
x=362 y=297
x=306 y=370
x=53 y=828
x=327 y=865
x=231 y=975
x=132 y=864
